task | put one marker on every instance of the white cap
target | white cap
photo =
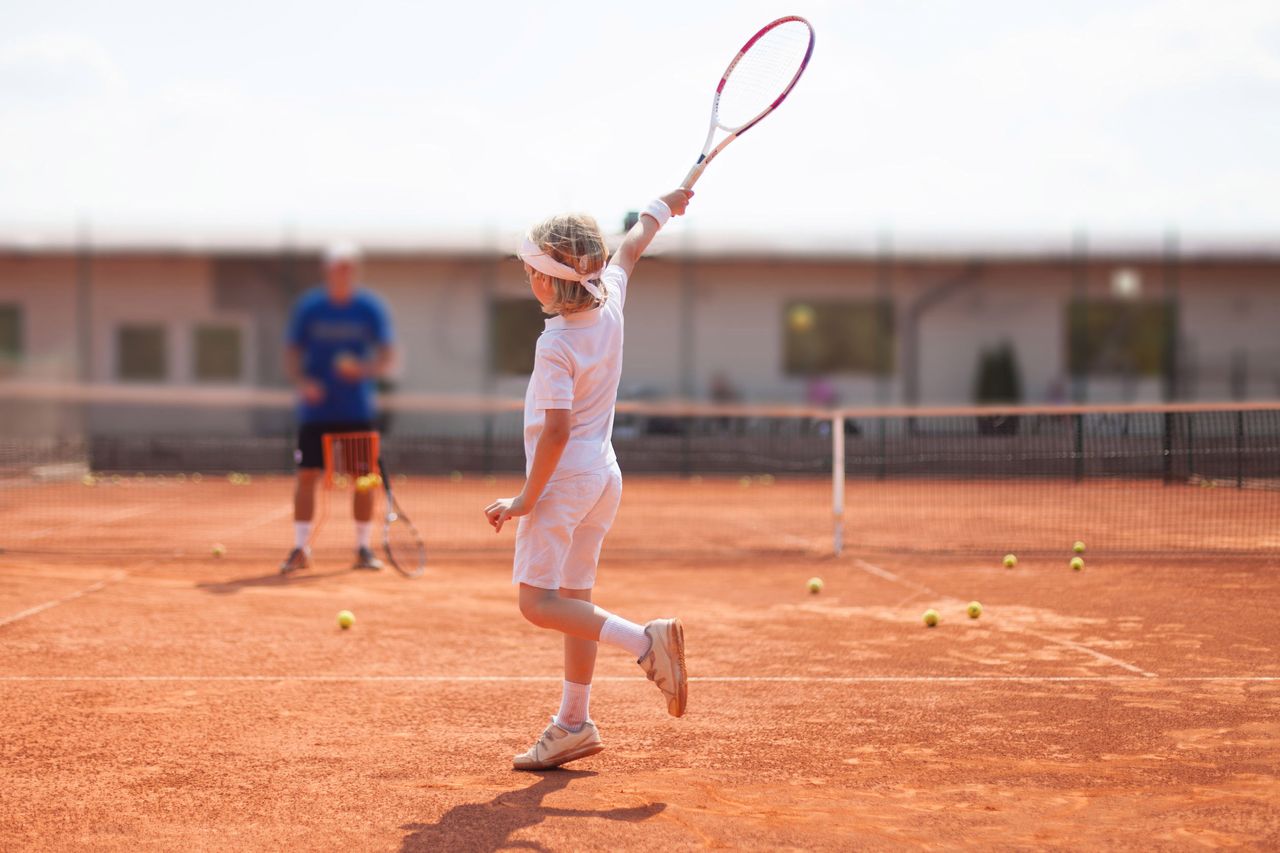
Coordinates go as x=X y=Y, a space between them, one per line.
x=341 y=252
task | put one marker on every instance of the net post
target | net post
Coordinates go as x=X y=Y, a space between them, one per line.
x=882 y=467
x=1167 y=447
x=837 y=480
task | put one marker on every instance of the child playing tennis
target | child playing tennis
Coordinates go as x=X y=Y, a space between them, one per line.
x=572 y=482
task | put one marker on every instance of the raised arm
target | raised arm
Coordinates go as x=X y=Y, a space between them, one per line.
x=643 y=232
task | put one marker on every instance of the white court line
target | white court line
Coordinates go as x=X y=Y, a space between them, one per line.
x=703 y=679
x=40 y=608
x=885 y=574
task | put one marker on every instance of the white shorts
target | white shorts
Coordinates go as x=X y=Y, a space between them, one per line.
x=558 y=544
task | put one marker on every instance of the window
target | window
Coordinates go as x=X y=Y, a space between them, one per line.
x=10 y=331
x=839 y=337
x=218 y=354
x=514 y=326
x=1118 y=337
x=141 y=353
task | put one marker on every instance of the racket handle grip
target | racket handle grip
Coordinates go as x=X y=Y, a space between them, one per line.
x=694 y=173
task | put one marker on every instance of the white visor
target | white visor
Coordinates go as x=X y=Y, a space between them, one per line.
x=533 y=255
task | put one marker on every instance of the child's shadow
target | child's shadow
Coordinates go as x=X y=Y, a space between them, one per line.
x=488 y=826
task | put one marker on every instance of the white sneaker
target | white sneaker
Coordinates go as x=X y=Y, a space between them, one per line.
x=558 y=746
x=664 y=663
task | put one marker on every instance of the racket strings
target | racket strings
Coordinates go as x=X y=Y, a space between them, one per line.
x=763 y=73
x=404 y=545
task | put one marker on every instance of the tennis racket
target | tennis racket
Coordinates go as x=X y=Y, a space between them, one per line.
x=400 y=540
x=758 y=79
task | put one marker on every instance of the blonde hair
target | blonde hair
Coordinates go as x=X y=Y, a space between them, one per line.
x=575 y=240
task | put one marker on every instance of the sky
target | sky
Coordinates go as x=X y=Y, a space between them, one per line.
x=408 y=117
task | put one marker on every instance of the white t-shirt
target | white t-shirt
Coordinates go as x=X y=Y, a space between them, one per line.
x=576 y=366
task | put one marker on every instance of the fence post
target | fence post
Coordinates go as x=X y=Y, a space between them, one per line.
x=837 y=480
x=1240 y=449
x=1078 y=418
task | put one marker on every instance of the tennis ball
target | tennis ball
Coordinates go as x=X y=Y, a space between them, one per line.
x=219 y=551
x=362 y=484
x=1010 y=561
x=1076 y=564
x=974 y=610
x=346 y=619
x=1078 y=547
x=456 y=477
x=931 y=617
x=815 y=585
x=88 y=480
x=801 y=318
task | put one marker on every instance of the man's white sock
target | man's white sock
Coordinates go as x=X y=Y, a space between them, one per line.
x=617 y=631
x=364 y=533
x=301 y=533
x=574 y=702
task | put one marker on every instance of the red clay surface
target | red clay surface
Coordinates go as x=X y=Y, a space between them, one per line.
x=161 y=699
x=717 y=516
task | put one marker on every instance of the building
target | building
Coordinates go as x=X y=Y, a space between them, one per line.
x=741 y=319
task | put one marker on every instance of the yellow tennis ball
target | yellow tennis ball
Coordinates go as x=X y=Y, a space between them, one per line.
x=931 y=617
x=974 y=610
x=815 y=585
x=346 y=619
x=455 y=477
x=1078 y=547
x=1010 y=561
x=362 y=484
x=219 y=551
x=801 y=318
x=1076 y=564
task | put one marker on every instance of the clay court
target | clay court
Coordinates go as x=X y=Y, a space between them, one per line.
x=158 y=698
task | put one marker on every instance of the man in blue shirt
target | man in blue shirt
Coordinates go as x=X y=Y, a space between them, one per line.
x=339 y=343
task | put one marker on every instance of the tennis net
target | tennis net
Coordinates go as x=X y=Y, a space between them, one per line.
x=168 y=472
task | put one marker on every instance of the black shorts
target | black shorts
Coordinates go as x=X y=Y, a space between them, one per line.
x=310 y=452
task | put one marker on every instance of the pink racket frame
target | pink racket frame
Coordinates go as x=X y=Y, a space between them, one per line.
x=708 y=153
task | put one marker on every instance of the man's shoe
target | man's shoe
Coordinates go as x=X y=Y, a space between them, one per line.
x=558 y=746
x=366 y=559
x=298 y=559
x=664 y=663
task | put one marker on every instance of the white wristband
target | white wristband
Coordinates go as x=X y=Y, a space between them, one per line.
x=659 y=211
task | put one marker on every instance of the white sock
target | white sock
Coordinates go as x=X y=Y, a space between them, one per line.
x=617 y=631
x=301 y=533
x=364 y=533
x=574 y=702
